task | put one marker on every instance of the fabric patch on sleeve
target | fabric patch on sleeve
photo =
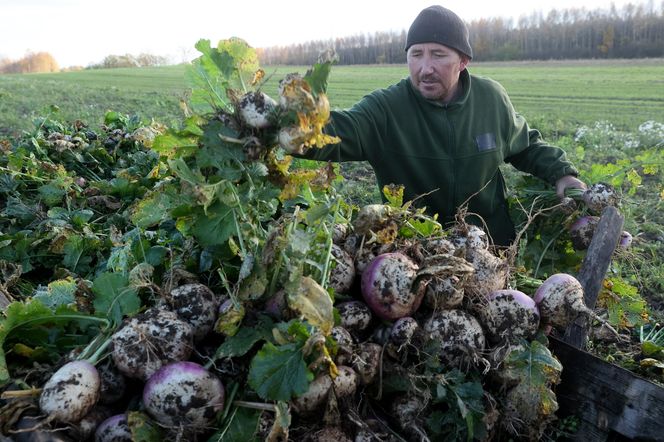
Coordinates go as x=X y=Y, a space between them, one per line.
x=485 y=142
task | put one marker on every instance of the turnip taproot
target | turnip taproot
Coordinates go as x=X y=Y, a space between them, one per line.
x=195 y=304
x=355 y=316
x=491 y=273
x=256 y=109
x=457 y=335
x=582 y=230
x=150 y=340
x=342 y=274
x=184 y=394
x=509 y=315
x=387 y=286
x=114 y=429
x=71 y=392
x=599 y=196
x=560 y=300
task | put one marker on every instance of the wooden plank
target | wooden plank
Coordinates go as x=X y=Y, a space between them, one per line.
x=608 y=399
x=593 y=269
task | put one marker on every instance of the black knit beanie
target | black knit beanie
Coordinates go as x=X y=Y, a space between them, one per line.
x=436 y=24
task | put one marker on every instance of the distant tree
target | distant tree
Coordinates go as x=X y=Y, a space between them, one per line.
x=131 y=61
x=32 y=62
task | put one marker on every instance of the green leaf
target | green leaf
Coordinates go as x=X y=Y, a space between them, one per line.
x=114 y=298
x=34 y=324
x=78 y=256
x=175 y=144
x=241 y=426
x=279 y=373
x=58 y=293
x=317 y=77
x=215 y=227
x=156 y=206
x=245 y=339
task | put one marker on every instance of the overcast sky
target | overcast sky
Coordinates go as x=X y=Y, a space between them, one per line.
x=82 y=32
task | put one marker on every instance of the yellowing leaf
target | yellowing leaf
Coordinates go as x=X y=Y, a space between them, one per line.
x=313 y=302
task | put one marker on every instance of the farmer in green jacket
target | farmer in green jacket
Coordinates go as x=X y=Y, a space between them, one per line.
x=443 y=133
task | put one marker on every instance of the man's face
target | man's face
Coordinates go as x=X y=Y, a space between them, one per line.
x=434 y=70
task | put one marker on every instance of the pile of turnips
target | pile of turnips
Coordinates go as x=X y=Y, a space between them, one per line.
x=409 y=307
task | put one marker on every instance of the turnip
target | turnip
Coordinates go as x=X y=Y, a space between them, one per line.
x=114 y=429
x=509 y=315
x=599 y=196
x=457 y=335
x=195 y=304
x=469 y=236
x=292 y=138
x=276 y=306
x=366 y=361
x=314 y=397
x=71 y=392
x=528 y=410
x=372 y=217
x=85 y=428
x=625 y=240
x=582 y=230
x=355 y=316
x=387 y=286
x=150 y=340
x=342 y=274
x=345 y=382
x=491 y=273
x=345 y=344
x=185 y=395
x=113 y=383
x=402 y=334
x=560 y=300
x=256 y=109
x=445 y=276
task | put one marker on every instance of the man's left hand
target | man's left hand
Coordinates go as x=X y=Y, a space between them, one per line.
x=568 y=182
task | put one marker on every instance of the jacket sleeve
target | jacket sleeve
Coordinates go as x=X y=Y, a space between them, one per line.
x=529 y=153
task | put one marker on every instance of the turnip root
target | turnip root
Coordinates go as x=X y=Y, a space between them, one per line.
x=582 y=230
x=342 y=274
x=345 y=344
x=346 y=382
x=599 y=196
x=560 y=300
x=276 y=306
x=528 y=410
x=366 y=362
x=314 y=397
x=445 y=277
x=184 y=394
x=113 y=383
x=114 y=429
x=509 y=315
x=195 y=304
x=71 y=392
x=387 y=286
x=85 y=428
x=457 y=335
x=490 y=274
x=355 y=316
x=625 y=240
x=256 y=109
x=402 y=333
x=372 y=217
x=150 y=340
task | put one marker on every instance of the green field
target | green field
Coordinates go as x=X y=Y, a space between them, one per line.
x=555 y=96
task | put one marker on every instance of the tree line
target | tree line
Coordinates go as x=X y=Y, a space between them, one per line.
x=633 y=31
x=44 y=62
x=32 y=62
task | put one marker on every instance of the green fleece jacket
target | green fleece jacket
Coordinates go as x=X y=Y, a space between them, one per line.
x=449 y=153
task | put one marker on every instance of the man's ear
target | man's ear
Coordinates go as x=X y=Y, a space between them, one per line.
x=464 y=63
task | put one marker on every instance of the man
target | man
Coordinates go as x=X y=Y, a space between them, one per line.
x=443 y=133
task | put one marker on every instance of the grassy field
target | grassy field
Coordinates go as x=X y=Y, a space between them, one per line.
x=555 y=96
